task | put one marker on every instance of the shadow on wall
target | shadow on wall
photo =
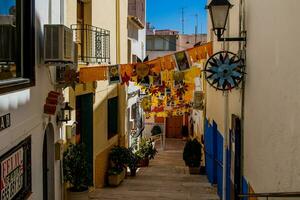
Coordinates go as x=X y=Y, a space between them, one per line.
x=39 y=41
x=102 y=145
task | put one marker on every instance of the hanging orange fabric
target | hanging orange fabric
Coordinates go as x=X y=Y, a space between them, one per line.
x=90 y=74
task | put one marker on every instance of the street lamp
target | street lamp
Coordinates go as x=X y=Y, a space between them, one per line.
x=219 y=11
x=65 y=113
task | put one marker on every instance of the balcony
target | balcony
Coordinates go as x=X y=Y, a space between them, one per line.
x=93 y=44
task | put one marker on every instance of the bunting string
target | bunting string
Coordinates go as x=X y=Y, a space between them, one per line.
x=166 y=83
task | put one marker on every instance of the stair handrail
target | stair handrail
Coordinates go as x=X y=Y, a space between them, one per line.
x=271 y=194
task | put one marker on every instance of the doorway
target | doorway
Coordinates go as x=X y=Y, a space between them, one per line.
x=48 y=163
x=235 y=158
x=173 y=127
x=84 y=129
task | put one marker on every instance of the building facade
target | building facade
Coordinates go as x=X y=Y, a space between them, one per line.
x=99 y=107
x=266 y=105
x=165 y=42
x=136 y=30
x=31 y=141
x=25 y=84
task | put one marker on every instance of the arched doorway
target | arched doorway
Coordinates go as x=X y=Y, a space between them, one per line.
x=48 y=163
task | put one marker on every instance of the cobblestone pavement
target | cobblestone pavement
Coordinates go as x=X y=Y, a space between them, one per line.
x=165 y=178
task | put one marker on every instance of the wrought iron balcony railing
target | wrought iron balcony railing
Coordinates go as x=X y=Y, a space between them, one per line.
x=93 y=43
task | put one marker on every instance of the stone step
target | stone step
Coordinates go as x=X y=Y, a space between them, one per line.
x=167 y=178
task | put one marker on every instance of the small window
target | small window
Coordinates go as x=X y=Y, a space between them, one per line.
x=17 y=55
x=149 y=44
x=159 y=44
x=112 y=118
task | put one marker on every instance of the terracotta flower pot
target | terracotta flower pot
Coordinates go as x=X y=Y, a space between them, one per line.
x=144 y=162
x=133 y=172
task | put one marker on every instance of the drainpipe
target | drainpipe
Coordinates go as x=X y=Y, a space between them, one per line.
x=62 y=21
x=226 y=130
x=225 y=146
x=50 y=12
x=62 y=11
x=242 y=27
x=118 y=45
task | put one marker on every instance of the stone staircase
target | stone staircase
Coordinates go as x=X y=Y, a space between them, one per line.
x=166 y=178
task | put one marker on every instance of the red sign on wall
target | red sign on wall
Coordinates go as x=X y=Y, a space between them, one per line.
x=15 y=172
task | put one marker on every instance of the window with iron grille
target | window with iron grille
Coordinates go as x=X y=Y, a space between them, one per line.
x=93 y=43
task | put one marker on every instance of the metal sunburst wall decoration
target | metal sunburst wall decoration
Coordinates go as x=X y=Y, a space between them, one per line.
x=224 y=70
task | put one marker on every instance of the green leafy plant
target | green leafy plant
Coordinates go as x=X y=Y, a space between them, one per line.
x=146 y=149
x=156 y=130
x=75 y=167
x=133 y=161
x=119 y=157
x=115 y=171
x=192 y=153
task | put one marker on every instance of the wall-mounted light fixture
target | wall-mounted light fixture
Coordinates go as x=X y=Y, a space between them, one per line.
x=219 y=10
x=65 y=113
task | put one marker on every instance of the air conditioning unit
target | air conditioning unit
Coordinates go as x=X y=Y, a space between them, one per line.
x=7 y=43
x=58 y=44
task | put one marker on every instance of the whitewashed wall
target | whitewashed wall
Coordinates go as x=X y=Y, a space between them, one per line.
x=138 y=47
x=272 y=93
x=26 y=108
x=272 y=106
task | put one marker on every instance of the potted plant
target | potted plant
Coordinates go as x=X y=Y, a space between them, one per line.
x=119 y=159
x=133 y=162
x=156 y=130
x=192 y=155
x=115 y=176
x=184 y=131
x=75 y=172
x=146 y=152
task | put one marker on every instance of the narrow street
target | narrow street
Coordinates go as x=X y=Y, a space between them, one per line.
x=165 y=178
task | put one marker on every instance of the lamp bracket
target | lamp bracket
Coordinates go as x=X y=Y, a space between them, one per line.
x=232 y=39
x=220 y=32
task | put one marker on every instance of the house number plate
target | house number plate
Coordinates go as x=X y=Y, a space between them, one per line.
x=4 y=122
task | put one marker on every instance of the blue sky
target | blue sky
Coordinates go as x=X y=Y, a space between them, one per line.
x=5 y=5
x=166 y=14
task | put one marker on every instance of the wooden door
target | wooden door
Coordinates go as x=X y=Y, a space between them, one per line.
x=84 y=128
x=173 y=127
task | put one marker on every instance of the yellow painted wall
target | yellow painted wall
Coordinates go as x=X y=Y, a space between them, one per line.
x=101 y=144
x=123 y=31
x=103 y=15
x=71 y=12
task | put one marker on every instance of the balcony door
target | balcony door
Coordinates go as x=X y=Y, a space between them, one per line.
x=80 y=31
